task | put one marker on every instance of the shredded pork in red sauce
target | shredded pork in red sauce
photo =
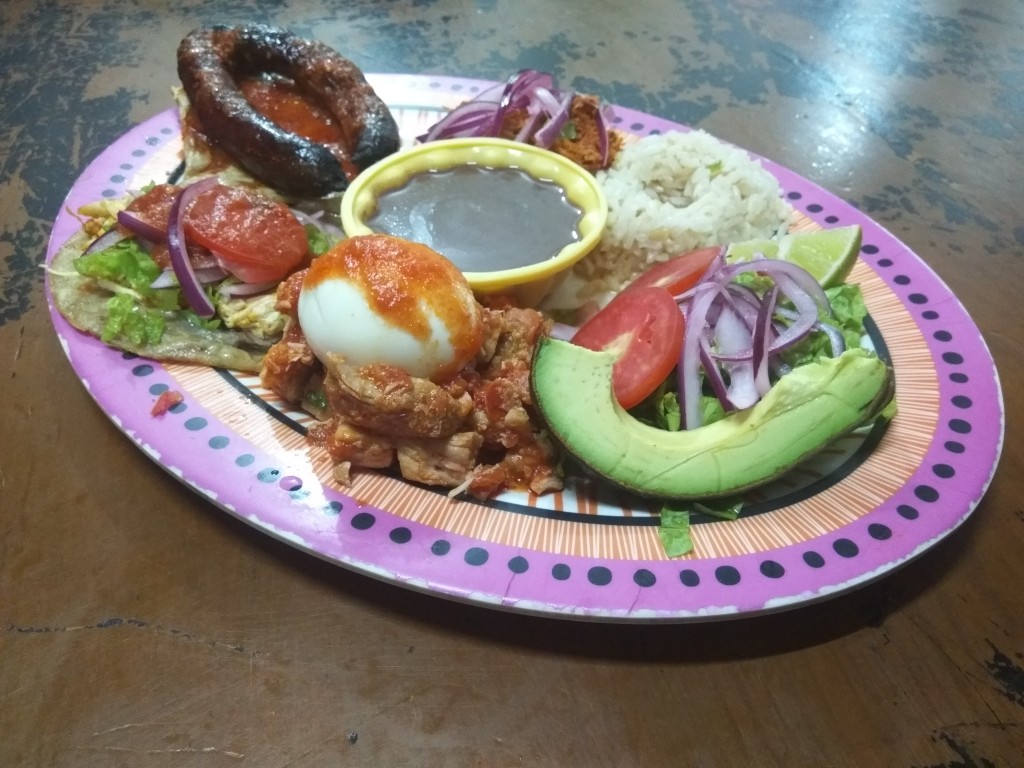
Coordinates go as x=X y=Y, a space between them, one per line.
x=474 y=433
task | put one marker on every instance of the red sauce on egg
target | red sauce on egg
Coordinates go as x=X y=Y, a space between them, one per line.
x=400 y=279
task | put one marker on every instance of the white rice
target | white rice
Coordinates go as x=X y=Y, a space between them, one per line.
x=674 y=192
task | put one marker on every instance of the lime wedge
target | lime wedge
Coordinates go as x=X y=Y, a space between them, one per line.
x=828 y=254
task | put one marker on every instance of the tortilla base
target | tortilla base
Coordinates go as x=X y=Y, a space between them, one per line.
x=83 y=304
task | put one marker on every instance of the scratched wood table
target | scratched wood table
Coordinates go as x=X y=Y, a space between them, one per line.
x=141 y=625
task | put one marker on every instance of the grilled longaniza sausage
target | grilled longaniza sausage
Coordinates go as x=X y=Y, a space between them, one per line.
x=212 y=61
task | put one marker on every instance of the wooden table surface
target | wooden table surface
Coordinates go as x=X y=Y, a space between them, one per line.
x=142 y=626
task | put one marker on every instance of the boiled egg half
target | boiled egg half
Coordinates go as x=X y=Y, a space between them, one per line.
x=377 y=299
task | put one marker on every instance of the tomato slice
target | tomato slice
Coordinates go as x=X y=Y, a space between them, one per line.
x=644 y=326
x=679 y=273
x=256 y=239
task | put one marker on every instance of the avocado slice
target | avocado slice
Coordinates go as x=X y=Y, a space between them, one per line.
x=806 y=410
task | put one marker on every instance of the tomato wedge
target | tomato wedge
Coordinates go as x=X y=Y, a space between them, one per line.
x=256 y=239
x=679 y=273
x=644 y=326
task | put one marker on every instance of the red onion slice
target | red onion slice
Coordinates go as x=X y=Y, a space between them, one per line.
x=529 y=128
x=563 y=331
x=688 y=369
x=473 y=118
x=807 y=312
x=835 y=336
x=143 y=229
x=713 y=375
x=205 y=276
x=523 y=88
x=234 y=290
x=550 y=131
x=191 y=288
x=733 y=335
x=547 y=109
x=109 y=238
x=761 y=350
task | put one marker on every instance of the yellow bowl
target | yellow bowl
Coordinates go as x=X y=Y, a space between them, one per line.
x=528 y=284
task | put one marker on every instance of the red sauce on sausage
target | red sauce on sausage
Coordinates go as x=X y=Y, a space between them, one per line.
x=282 y=101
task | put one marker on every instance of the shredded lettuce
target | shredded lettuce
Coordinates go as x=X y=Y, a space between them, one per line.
x=848 y=313
x=674 y=525
x=136 y=322
x=661 y=408
x=712 y=409
x=136 y=311
x=667 y=413
x=319 y=242
x=124 y=263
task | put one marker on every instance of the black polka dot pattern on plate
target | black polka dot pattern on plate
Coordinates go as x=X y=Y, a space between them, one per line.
x=268 y=475
x=363 y=521
x=846 y=548
x=476 y=556
x=728 y=575
x=644 y=578
x=814 y=559
x=907 y=512
x=879 y=532
x=689 y=578
x=441 y=547
x=400 y=535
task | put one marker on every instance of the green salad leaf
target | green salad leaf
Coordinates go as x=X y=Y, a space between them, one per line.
x=674 y=525
x=136 y=311
x=123 y=263
x=726 y=509
x=848 y=313
x=674 y=532
x=131 y=319
x=319 y=242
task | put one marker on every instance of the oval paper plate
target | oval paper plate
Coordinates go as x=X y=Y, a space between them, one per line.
x=852 y=515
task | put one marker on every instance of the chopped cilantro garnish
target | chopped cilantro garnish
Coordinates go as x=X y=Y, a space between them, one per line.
x=198 y=322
